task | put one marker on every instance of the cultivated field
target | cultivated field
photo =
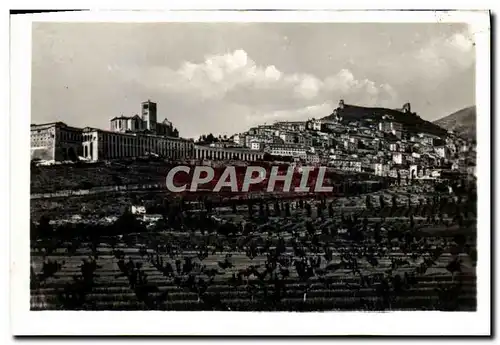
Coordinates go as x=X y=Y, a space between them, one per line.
x=393 y=247
x=320 y=271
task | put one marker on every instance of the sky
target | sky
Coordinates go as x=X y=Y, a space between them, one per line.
x=223 y=78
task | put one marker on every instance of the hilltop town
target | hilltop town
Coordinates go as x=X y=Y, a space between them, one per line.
x=379 y=141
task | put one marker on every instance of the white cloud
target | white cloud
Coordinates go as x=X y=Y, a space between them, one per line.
x=228 y=86
x=388 y=90
x=308 y=87
x=272 y=73
x=312 y=111
x=218 y=76
x=444 y=54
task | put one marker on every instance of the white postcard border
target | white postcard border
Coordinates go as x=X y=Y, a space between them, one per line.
x=25 y=322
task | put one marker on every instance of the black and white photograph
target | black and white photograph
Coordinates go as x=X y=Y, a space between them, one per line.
x=242 y=164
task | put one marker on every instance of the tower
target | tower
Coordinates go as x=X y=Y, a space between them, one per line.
x=341 y=104
x=407 y=108
x=148 y=110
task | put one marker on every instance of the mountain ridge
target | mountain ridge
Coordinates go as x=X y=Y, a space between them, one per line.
x=462 y=121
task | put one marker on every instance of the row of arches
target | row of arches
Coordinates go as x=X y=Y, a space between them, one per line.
x=209 y=153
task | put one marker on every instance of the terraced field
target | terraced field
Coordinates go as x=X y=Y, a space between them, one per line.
x=339 y=290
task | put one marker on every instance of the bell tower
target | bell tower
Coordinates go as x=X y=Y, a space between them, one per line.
x=148 y=111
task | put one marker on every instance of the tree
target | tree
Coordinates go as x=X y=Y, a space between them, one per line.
x=160 y=225
x=277 y=208
x=368 y=202
x=308 y=209
x=267 y=157
x=33 y=231
x=394 y=201
x=128 y=223
x=261 y=209
x=44 y=228
x=250 y=208
x=211 y=138
x=473 y=256
x=382 y=201
x=376 y=233
x=116 y=180
x=227 y=229
x=310 y=228
x=460 y=240
x=319 y=210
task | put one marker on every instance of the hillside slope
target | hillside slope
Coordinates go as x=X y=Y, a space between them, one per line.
x=462 y=121
x=411 y=121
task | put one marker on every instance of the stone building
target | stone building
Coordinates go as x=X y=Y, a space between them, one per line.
x=56 y=141
x=395 y=128
x=288 y=150
x=100 y=144
x=346 y=164
x=146 y=123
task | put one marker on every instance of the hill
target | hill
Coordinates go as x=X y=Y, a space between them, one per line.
x=411 y=121
x=462 y=121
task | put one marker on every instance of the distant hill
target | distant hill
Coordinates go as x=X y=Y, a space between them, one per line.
x=462 y=121
x=411 y=121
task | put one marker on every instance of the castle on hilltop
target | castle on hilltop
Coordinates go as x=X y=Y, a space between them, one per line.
x=404 y=116
x=406 y=109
